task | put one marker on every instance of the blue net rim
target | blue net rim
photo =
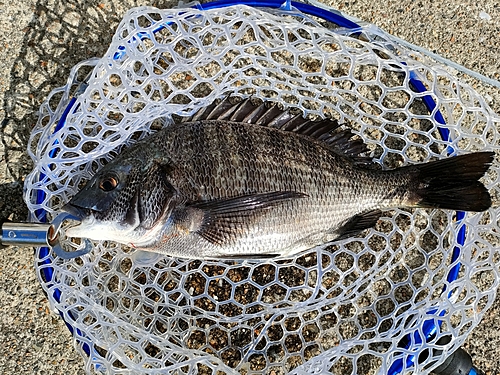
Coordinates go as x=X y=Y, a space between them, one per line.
x=430 y=327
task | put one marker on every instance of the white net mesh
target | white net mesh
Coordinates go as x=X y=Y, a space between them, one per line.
x=355 y=307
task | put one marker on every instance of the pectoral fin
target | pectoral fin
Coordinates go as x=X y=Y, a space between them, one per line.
x=225 y=220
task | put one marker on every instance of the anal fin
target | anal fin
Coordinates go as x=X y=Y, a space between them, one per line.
x=358 y=223
x=256 y=256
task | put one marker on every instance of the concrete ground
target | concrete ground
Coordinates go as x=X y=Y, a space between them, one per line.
x=40 y=40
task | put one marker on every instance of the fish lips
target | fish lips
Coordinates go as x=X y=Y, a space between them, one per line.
x=84 y=216
x=76 y=211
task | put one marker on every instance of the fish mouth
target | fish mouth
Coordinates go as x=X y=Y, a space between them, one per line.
x=86 y=220
x=78 y=212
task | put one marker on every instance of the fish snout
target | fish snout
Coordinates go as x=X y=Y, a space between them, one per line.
x=78 y=212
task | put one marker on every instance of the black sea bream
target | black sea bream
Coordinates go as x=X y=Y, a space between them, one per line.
x=242 y=180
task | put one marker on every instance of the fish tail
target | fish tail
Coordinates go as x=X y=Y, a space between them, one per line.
x=453 y=183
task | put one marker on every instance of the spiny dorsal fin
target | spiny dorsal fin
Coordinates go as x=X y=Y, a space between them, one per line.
x=327 y=131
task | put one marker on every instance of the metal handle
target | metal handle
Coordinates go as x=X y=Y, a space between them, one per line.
x=26 y=234
x=41 y=234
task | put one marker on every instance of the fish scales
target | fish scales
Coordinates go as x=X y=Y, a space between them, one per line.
x=233 y=152
x=216 y=188
x=266 y=160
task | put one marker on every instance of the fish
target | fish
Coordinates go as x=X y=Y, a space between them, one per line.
x=248 y=180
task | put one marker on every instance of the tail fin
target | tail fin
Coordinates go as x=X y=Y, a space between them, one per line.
x=453 y=183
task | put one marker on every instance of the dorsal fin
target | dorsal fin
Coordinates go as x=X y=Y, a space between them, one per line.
x=327 y=131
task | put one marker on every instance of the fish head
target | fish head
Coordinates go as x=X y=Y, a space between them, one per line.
x=124 y=202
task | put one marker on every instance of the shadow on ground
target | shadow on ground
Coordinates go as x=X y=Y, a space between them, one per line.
x=60 y=35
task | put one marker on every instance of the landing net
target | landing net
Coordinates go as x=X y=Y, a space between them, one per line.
x=397 y=299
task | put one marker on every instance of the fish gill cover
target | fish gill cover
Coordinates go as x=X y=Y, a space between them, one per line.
x=358 y=306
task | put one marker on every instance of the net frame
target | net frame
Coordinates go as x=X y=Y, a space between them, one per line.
x=406 y=357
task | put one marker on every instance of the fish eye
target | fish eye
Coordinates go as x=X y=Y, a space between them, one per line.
x=108 y=183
